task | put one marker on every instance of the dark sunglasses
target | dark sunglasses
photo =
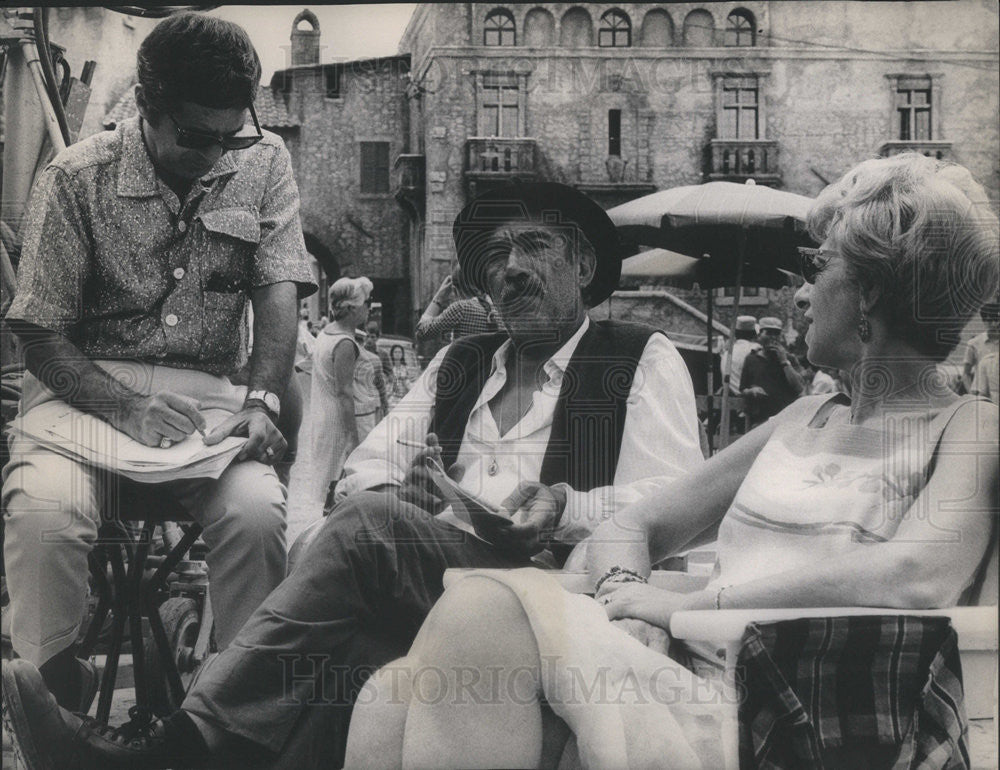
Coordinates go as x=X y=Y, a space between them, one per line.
x=199 y=140
x=812 y=262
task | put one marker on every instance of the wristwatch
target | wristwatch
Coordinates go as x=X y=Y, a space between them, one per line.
x=270 y=400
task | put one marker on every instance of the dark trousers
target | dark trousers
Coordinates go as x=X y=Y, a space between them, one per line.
x=353 y=602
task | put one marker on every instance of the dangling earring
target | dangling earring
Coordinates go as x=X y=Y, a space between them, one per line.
x=864 y=327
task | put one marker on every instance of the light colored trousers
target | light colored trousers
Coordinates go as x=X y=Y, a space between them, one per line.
x=54 y=505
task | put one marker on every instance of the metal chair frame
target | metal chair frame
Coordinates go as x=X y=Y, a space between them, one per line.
x=139 y=584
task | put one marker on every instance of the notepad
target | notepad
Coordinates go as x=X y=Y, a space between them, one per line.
x=482 y=516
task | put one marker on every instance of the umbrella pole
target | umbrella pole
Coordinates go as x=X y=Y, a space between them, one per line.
x=727 y=375
x=710 y=376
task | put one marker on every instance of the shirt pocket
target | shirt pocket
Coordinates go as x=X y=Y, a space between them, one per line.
x=230 y=238
x=223 y=329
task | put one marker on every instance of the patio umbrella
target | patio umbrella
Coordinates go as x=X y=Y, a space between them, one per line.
x=746 y=234
x=680 y=270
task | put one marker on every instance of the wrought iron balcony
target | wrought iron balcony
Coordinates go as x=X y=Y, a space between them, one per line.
x=737 y=160
x=493 y=160
x=500 y=156
x=408 y=181
x=938 y=150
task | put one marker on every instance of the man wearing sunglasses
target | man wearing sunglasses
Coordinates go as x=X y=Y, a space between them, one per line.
x=141 y=249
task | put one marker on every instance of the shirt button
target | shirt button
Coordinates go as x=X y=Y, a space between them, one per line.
x=182 y=225
x=170 y=320
x=178 y=273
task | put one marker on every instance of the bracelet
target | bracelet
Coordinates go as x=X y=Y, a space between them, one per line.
x=619 y=575
x=718 y=597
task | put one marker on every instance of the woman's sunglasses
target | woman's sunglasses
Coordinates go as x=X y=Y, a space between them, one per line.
x=199 y=140
x=812 y=262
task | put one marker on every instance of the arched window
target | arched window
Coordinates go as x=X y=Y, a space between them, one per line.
x=499 y=28
x=657 y=29
x=740 y=28
x=539 y=28
x=615 y=30
x=699 y=29
x=576 y=29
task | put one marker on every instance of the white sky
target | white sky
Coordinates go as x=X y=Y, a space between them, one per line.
x=346 y=31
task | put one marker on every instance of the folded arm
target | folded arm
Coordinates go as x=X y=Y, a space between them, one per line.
x=933 y=557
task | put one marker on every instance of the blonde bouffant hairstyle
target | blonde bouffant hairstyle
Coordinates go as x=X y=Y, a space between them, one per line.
x=347 y=294
x=920 y=232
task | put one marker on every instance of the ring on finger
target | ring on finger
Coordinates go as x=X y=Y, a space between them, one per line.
x=269 y=452
x=166 y=443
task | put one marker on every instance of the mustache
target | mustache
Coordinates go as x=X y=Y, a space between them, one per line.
x=519 y=290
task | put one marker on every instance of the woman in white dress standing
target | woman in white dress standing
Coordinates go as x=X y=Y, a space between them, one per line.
x=345 y=398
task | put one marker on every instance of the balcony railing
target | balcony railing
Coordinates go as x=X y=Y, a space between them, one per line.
x=938 y=150
x=742 y=159
x=500 y=156
x=408 y=181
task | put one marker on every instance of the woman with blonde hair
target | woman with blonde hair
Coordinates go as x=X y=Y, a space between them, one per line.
x=344 y=396
x=886 y=498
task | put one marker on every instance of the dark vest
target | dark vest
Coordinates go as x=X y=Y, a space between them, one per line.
x=589 y=416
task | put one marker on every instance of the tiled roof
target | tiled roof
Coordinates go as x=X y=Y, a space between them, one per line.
x=271 y=110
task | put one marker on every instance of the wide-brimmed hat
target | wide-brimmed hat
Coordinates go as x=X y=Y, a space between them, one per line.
x=548 y=203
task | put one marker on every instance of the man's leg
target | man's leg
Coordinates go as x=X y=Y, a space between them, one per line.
x=52 y=506
x=355 y=600
x=243 y=513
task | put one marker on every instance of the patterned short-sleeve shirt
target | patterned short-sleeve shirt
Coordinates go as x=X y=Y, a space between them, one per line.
x=113 y=260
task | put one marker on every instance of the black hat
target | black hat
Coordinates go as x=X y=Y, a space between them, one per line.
x=549 y=203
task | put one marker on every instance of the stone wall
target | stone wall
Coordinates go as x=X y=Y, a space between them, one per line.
x=111 y=39
x=823 y=67
x=363 y=233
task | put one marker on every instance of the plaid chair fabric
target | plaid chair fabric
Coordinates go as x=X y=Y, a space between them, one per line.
x=812 y=686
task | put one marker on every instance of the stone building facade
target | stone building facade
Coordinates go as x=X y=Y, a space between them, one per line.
x=351 y=125
x=621 y=100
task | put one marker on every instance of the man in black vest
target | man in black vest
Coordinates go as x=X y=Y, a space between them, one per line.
x=559 y=421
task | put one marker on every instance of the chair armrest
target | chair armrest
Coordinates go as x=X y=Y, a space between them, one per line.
x=580 y=582
x=976 y=626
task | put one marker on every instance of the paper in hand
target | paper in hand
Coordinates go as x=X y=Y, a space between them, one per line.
x=481 y=515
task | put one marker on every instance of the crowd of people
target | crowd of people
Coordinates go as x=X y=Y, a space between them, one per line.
x=577 y=438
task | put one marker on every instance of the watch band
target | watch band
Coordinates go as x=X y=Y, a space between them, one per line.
x=270 y=400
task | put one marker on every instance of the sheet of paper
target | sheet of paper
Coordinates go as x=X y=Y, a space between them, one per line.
x=89 y=439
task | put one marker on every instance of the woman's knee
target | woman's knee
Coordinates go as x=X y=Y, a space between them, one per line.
x=476 y=614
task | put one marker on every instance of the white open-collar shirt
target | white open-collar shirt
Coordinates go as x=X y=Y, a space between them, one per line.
x=660 y=440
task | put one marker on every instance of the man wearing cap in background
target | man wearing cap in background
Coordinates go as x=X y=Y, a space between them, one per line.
x=561 y=421
x=770 y=380
x=745 y=333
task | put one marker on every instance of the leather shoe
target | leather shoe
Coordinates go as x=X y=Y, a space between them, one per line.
x=47 y=737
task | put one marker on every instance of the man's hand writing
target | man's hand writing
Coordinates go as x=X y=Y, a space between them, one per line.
x=265 y=443
x=151 y=419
